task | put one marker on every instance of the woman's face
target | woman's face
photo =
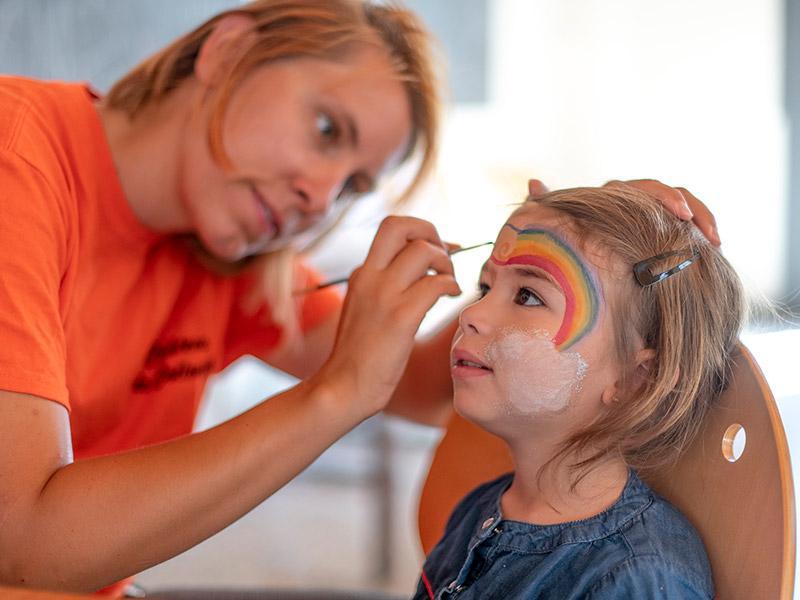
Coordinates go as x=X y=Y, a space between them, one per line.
x=299 y=133
x=538 y=345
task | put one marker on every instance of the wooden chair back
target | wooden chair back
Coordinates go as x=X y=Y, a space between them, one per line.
x=744 y=509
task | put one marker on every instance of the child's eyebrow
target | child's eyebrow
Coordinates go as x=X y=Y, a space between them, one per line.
x=537 y=274
x=524 y=271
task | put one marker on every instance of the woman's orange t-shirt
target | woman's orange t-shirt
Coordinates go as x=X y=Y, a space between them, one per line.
x=120 y=325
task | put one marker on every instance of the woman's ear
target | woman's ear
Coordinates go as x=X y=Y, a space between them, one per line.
x=642 y=363
x=216 y=52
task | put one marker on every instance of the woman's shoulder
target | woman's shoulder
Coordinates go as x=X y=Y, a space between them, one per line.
x=36 y=113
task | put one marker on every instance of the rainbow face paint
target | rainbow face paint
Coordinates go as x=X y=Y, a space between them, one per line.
x=545 y=250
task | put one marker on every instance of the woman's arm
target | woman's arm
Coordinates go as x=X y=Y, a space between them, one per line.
x=82 y=525
x=304 y=357
x=425 y=393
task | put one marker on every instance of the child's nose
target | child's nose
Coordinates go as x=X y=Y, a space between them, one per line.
x=473 y=318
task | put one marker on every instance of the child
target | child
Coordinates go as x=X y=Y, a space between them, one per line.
x=602 y=335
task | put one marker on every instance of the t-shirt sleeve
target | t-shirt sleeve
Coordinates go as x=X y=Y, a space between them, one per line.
x=251 y=330
x=33 y=242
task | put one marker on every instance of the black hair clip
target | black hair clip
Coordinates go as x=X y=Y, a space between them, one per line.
x=641 y=270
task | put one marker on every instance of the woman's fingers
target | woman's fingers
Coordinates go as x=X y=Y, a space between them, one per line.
x=668 y=196
x=703 y=217
x=536 y=188
x=680 y=202
x=394 y=234
x=422 y=295
x=415 y=260
x=407 y=270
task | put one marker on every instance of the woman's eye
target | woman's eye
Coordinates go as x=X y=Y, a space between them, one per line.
x=326 y=127
x=527 y=297
x=356 y=185
x=483 y=289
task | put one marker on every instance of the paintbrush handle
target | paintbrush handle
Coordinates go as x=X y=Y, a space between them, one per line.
x=341 y=280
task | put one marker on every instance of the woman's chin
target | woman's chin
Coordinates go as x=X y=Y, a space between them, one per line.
x=224 y=249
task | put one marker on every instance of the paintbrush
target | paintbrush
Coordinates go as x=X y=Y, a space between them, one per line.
x=345 y=279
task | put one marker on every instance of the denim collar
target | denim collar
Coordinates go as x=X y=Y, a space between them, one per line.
x=528 y=537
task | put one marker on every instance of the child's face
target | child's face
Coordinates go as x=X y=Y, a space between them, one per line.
x=538 y=344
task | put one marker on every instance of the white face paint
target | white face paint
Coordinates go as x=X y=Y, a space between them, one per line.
x=534 y=376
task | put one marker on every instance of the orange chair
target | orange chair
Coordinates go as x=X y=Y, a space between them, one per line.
x=744 y=509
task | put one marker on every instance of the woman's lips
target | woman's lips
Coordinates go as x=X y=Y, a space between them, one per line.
x=465 y=365
x=269 y=222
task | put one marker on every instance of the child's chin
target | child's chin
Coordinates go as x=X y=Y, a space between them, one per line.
x=477 y=409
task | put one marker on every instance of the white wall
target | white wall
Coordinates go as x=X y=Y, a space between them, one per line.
x=583 y=91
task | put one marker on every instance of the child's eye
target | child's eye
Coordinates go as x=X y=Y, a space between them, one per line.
x=527 y=297
x=326 y=127
x=483 y=289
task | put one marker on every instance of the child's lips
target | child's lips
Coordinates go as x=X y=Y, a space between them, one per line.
x=465 y=364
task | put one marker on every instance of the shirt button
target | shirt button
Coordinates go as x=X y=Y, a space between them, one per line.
x=487 y=523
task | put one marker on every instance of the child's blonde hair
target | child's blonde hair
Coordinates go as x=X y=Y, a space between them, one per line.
x=691 y=320
x=283 y=29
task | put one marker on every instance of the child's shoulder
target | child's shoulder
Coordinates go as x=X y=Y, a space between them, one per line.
x=663 y=551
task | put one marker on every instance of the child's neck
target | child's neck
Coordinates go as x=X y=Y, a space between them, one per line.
x=549 y=499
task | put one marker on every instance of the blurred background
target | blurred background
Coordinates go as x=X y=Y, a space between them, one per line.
x=704 y=95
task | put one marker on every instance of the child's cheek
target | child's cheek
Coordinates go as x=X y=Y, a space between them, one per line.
x=534 y=376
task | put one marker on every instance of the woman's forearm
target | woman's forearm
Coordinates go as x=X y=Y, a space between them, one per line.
x=425 y=392
x=102 y=519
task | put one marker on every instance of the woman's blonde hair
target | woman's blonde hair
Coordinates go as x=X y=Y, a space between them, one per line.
x=282 y=29
x=691 y=320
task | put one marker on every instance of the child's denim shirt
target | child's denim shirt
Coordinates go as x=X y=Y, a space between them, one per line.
x=641 y=547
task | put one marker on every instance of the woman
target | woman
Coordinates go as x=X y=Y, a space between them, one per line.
x=144 y=242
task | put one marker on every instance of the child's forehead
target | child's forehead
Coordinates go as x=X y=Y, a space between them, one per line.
x=529 y=215
x=558 y=226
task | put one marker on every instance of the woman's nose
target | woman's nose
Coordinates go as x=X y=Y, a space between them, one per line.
x=320 y=188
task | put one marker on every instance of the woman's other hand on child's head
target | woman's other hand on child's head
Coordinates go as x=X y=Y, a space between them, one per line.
x=536 y=188
x=680 y=201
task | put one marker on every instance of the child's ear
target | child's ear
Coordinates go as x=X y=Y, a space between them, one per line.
x=642 y=362
x=215 y=53
x=609 y=395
